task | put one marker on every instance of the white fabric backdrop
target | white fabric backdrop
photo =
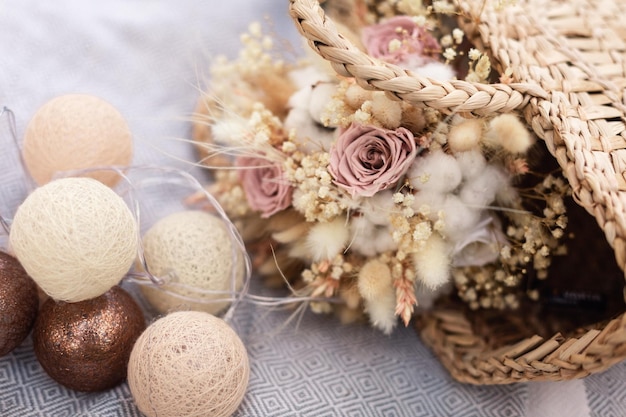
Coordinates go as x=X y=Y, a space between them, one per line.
x=148 y=58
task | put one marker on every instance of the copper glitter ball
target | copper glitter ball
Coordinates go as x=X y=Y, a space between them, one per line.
x=86 y=345
x=19 y=303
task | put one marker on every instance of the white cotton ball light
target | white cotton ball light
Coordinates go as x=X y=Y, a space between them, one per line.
x=188 y=363
x=74 y=132
x=193 y=252
x=75 y=237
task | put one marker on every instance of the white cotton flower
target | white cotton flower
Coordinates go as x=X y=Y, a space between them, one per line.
x=368 y=238
x=481 y=190
x=383 y=241
x=310 y=136
x=379 y=207
x=472 y=163
x=429 y=202
x=307 y=76
x=321 y=95
x=458 y=217
x=437 y=171
x=325 y=240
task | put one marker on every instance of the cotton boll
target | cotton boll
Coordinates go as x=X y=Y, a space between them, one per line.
x=308 y=75
x=369 y=239
x=465 y=136
x=384 y=241
x=387 y=112
x=301 y=98
x=310 y=136
x=458 y=216
x=432 y=264
x=379 y=207
x=363 y=233
x=472 y=163
x=430 y=199
x=481 y=190
x=321 y=95
x=436 y=171
x=326 y=240
x=507 y=131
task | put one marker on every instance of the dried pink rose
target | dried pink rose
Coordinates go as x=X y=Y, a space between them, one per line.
x=366 y=159
x=398 y=40
x=265 y=186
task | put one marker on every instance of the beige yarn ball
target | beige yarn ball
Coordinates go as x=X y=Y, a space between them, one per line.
x=188 y=364
x=76 y=131
x=195 y=249
x=75 y=237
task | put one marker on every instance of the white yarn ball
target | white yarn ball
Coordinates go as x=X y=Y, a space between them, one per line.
x=188 y=364
x=75 y=237
x=195 y=249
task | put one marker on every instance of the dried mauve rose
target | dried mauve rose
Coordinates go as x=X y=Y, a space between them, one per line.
x=263 y=182
x=399 y=39
x=366 y=159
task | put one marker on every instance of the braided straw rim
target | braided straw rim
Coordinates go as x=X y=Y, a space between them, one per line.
x=570 y=105
x=453 y=96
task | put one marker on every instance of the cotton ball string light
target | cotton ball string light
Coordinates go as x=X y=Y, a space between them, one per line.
x=188 y=363
x=85 y=346
x=75 y=237
x=194 y=250
x=76 y=131
x=19 y=303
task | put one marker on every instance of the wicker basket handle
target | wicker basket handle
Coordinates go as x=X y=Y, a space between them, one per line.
x=448 y=96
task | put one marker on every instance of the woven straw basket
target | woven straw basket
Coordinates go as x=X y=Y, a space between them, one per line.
x=568 y=59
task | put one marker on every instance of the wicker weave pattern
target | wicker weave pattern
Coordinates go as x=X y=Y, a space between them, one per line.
x=569 y=75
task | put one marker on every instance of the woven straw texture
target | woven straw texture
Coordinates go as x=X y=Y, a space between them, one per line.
x=569 y=74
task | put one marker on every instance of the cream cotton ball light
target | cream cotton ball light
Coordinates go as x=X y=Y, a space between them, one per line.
x=194 y=250
x=73 y=132
x=188 y=363
x=75 y=237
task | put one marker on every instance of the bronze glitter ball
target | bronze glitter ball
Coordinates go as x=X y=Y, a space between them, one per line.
x=19 y=303
x=86 y=345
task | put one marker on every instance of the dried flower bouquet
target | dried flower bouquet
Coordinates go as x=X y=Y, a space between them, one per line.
x=369 y=205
